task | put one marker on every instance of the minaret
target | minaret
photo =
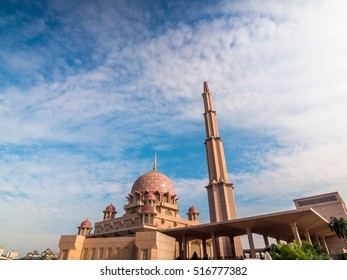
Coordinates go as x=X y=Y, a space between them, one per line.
x=220 y=191
x=217 y=169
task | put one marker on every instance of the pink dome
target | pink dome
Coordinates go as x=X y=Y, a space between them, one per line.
x=86 y=223
x=193 y=209
x=110 y=208
x=153 y=181
x=150 y=196
x=147 y=208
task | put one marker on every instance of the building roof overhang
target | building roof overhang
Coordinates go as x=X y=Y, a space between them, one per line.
x=276 y=225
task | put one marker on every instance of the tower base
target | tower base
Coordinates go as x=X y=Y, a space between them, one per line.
x=229 y=247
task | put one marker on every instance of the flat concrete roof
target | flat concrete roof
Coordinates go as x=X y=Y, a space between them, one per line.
x=275 y=225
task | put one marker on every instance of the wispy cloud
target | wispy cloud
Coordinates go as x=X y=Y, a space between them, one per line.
x=89 y=90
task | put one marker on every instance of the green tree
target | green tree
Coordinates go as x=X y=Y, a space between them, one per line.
x=339 y=226
x=292 y=251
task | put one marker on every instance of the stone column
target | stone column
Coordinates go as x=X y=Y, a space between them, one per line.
x=215 y=248
x=325 y=246
x=232 y=245
x=201 y=250
x=296 y=234
x=184 y=241
x=308 y=237
x=204 y=248
x=189 y=250
x=180 y=248
x=251 y=243
x=318 y=241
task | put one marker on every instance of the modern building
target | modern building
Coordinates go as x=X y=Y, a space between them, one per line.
x=1 y=251
x=12 y=254
x=45 y=255
x=327 y=205
x=308 y=222
x=152 y=228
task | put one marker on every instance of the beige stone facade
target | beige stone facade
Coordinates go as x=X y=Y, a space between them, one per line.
x=144 y=245
x=152 y=206
x=327 y=205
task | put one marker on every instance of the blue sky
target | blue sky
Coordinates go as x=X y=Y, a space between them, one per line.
x=89 y=90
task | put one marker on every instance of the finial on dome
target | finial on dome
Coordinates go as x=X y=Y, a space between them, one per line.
x=206 y=87
x=155 y=162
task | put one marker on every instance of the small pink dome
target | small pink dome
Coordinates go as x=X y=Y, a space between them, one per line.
x=193 y=209
x=150 y=196
x=153 y=181
x=110 y=208
x=86 y=223
x=147 y=208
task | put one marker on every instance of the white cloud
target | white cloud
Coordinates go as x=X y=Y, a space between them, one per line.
x=277 y=69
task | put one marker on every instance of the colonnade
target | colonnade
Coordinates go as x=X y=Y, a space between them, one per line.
x=208 y=245
x=207 y=248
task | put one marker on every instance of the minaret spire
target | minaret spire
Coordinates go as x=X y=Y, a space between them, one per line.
x=220 y=191
x=206 y=87
x=217 y=169
x=155 y=162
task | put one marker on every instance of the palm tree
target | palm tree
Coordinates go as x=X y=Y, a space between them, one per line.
x=339 y=226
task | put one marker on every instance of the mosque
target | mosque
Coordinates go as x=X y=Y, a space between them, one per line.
x=152 y=229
